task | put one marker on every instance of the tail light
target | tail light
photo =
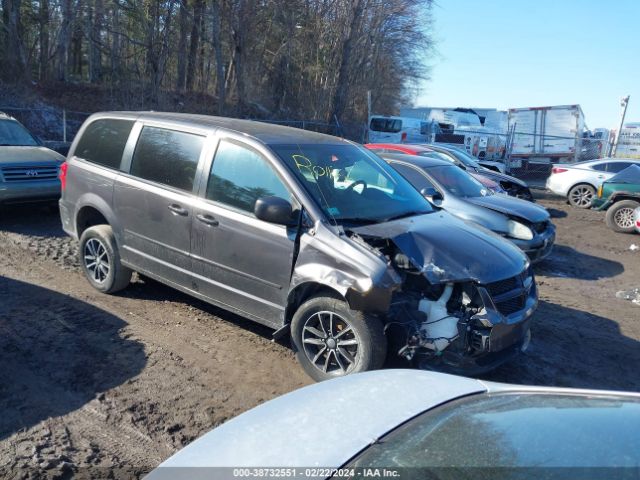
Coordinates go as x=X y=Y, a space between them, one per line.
x=63 y=175
x=404 y=136
x=558 y=170
x=600 y=191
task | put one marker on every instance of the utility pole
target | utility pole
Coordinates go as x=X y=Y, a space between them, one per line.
x=624 y=102
x=366 y=130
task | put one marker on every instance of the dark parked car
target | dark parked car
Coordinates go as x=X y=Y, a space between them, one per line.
x=620 y=196
x=305 y=233
x=513 y=186
x=524 y=223
x=422 y=425
x=28 y=171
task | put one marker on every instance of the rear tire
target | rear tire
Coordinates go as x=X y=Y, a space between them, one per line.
x=100 y=260
x=619 y=216
x=331 y=340
x=581 y=195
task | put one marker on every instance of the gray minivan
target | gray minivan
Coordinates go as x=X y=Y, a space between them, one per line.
x=306 y=233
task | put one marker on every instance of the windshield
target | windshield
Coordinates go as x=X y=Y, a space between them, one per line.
x=458 y=182
x=352 y=185
x=513 y=430
x=464 y=158
x=15 y=135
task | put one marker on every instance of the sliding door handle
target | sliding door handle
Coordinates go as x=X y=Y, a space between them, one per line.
x=207 y=220
x=178 y=209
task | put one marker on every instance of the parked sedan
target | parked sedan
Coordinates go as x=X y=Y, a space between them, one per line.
x=511 y=185
x=28 y=171
x=579 y=182
x=419 y=424
x=620 y=196
x=524 y=223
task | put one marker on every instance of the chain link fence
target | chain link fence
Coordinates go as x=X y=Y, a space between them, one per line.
x=526 y=155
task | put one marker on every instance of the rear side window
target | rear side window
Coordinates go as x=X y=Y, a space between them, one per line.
x=417 y=179
x=167 y=156
x=240 y=175
x=388 y=125
x=103 y=142
x=616 y=167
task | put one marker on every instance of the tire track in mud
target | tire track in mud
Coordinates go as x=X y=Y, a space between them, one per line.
x=196 y=371
x=96 y=382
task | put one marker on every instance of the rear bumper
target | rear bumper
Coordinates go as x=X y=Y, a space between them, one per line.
x=555 y=185
x=66 y=217
x=30 y=191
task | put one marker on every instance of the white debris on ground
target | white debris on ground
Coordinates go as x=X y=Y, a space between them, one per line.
x=634 y=247
x=632 y=295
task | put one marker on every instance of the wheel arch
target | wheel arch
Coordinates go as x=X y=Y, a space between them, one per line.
x=304 y=291
x=92 y=210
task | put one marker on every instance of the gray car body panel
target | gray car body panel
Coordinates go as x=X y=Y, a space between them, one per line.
x=319 y=254
x=295 y=430
x=491 y=212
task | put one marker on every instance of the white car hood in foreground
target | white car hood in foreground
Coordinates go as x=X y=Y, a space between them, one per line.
x=322 y=425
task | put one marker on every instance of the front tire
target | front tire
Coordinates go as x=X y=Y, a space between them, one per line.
x=619 y=216
x=331 y=340
x=100 y=260
x=581 y=195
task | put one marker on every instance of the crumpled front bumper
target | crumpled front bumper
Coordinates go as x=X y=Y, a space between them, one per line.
x=540 y=247
x=500 y=333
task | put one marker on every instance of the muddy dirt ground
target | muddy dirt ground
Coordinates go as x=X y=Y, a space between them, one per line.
x=109 y=386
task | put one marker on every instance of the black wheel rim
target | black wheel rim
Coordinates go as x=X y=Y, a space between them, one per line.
x=330 y=343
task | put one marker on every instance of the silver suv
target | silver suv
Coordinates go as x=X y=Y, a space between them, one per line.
x=28 y=171
x=309 y=234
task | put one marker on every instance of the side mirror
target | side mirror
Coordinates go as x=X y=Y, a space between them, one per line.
x=274 y=210
x=432 y=194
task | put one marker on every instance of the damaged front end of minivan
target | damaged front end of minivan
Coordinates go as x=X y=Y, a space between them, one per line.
x=455 y=299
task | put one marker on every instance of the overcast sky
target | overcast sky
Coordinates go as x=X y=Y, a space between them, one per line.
x=527 y=53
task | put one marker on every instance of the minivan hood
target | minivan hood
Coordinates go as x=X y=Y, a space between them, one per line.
x=512 y=207
x=28 y=154
x=448 y=249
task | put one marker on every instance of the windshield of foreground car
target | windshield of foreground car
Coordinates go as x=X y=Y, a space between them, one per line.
x=458 y=182
x=12 y=134
x=352 y=185
x=511 y=431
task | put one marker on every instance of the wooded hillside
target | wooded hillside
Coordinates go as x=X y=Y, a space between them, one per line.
x=299 y=59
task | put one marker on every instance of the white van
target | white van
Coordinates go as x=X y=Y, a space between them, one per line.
x=399 y=130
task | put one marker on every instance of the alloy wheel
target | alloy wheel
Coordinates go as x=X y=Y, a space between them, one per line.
x=624 y=218
x=582 y=196
x=330 y=343
x=96 y=260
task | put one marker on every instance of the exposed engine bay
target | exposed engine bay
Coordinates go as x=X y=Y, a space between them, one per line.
x=434 y=321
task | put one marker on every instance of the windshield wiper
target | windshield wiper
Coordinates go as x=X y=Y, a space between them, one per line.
x=412 y=213
x=358 y=220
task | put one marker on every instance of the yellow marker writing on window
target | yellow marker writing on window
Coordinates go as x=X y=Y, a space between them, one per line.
x=306 y=167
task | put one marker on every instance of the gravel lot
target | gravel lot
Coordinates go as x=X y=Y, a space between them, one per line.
x=109 y=386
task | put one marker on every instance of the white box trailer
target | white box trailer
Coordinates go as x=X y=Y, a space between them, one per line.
x=629 y=143
x=544 y=135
